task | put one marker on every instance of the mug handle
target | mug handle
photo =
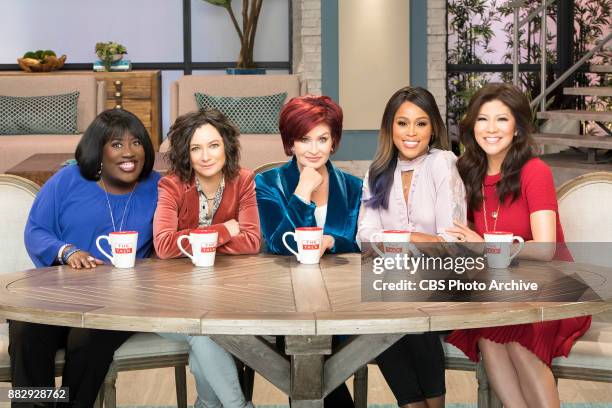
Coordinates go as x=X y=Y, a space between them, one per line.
x=373 y=239
x=287 y=245
x=180 y=247
x=521 y=242
x=107 y=238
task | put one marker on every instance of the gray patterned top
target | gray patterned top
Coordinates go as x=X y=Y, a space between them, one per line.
x=205 y=218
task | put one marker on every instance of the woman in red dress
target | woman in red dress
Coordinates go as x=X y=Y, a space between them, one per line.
x=509 y=189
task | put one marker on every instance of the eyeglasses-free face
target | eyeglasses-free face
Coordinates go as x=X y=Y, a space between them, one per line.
x=494 y=129
x=123 y=159
x=207 y=152
x=412 y=131
x=313 y=149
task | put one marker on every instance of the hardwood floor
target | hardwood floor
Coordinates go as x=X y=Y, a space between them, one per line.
x=156 y=387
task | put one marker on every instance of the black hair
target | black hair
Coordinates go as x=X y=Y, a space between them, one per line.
x=380 y=176
x=110 y=123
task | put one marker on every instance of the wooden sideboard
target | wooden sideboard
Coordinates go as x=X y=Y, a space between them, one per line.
x=137 y=91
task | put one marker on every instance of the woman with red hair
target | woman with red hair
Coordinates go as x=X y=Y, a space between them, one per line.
x=299 y=193
x=296 y=194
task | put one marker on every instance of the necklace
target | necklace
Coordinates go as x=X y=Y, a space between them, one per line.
x=494 y=214
x=110 y=210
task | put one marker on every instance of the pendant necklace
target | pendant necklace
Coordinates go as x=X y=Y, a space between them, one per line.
x=494 y=214
x=110 y=210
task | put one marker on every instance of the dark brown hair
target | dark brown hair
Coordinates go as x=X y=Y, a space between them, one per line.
x=302 y=113
x=182 y=131
x=472 y=165
x=380 y=176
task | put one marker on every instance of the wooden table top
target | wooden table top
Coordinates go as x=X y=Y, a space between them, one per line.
x=41 y=166
x=251 y=294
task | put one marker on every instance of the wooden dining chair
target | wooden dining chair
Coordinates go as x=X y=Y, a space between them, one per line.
x=584 y=220
x=141 y=351
x=269 y=166
x=17 y=194
x=585 y=215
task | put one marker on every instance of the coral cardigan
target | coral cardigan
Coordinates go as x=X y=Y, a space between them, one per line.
x=178 y=210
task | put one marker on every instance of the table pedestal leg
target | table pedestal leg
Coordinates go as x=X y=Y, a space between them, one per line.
x=307 y=362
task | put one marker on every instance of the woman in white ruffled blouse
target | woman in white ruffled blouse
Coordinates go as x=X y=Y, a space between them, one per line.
x=413 y=185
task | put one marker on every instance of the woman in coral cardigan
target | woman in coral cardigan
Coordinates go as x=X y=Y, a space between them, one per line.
x=509 y=189
x=206 y=188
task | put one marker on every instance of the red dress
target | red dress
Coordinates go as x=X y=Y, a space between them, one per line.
x=546 y=340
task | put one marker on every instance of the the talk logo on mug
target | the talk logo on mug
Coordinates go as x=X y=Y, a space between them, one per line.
x=310 y=244
x=206 y=248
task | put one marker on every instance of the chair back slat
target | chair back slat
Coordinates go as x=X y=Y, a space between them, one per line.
x=17 y=197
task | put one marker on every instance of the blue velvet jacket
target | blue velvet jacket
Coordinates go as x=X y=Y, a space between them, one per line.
x=281 y=211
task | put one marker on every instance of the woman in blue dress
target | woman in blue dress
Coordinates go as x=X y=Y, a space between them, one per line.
x=112 y=187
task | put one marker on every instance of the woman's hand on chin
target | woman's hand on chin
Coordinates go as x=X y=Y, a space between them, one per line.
x=310 y=179
x=327 y=242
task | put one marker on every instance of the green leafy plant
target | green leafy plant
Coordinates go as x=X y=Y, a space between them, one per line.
x=469 y=23
x=595 y=20
x=529 y=45
x=108 y=52
x=246 y=34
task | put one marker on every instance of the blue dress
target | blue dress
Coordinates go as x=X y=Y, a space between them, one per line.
x=280 y=210
x=70 y=209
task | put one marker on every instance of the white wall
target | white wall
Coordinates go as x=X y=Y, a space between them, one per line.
x=215 y=39
x=151 y=30
x=374 y=54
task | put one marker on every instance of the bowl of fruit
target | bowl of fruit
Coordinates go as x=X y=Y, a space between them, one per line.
x=41 y=61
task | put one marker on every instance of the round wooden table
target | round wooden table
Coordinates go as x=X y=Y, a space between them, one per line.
x=243 y=297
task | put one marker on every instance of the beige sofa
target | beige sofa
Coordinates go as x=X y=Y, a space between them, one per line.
x=16 y=148
x=257 y=149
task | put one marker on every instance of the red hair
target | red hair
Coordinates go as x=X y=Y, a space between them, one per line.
x=302 y=113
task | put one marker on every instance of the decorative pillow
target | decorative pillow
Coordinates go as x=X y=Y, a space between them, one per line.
x=31 y=115
x=252 y=114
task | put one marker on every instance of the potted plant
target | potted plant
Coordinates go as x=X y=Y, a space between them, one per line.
x=246 y=34
x=109 y=52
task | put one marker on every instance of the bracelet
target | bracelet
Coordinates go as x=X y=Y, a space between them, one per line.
x=60 y=252
x=68 y=253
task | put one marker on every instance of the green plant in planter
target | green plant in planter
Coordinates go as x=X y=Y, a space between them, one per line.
x=246 y=34
x=109 y=52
